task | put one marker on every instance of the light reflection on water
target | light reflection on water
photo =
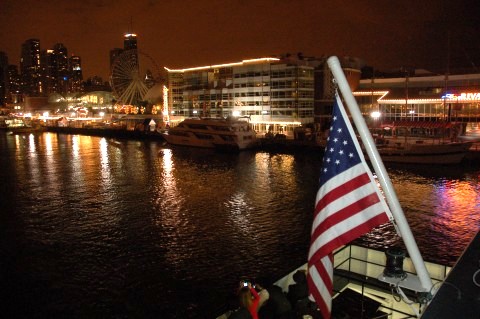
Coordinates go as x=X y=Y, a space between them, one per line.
x=111 y=228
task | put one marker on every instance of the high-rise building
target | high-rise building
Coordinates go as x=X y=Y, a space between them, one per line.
x=30 y=68
x=130 y=44
x=130 y=41
x=3 y=78
x=62 y=72
x=48 y=71
x=114 y=54
x=76 y=75
x=14 y=93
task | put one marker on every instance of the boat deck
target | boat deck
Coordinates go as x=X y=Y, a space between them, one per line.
x=459 y=295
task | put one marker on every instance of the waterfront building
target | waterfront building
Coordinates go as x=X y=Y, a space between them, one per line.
x=97 y=102
x=278 y=94
x=454 y=97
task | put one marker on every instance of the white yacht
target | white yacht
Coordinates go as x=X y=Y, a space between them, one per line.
x=231 y=133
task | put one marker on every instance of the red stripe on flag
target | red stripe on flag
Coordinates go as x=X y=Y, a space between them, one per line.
x=341 y=190
x=348 y=211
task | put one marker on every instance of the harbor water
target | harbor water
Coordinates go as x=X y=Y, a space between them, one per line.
x=94 y=227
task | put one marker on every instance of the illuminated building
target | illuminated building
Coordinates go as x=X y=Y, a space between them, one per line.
x=76 y=75
x=14 y=95
x=60 y=66
x=278 y=94
x=48 y=71
x=3 y=78
x=60 y=74
x=275 y=93
x=130 y=41
x=421 y=98
x=30 y=68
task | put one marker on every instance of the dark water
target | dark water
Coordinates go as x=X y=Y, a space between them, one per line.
x=99 y=228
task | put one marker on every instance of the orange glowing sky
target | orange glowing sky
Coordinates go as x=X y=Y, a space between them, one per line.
x=178 y=34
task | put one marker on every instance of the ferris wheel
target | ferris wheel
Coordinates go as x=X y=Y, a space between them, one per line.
x=133 y=73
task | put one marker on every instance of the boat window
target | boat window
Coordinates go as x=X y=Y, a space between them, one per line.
x=228 y=138
x=198 y=126
x=178 y=133
x=204 y=136
x=222 y=128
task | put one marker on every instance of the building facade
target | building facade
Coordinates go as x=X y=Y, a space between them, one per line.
x=76 y=74
x=276 y=94
x=4 y=87
x=450 y=98
x=30 y=68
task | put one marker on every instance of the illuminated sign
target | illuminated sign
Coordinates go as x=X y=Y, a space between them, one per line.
x=462 y=96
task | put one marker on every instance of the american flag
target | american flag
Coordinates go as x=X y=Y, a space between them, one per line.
x=348 y=204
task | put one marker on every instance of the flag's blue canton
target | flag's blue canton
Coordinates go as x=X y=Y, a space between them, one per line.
x=340 y=152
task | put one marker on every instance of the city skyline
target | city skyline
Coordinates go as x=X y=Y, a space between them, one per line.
x=179 y=34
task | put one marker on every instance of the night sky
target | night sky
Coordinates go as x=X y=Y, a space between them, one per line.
x=188 y=33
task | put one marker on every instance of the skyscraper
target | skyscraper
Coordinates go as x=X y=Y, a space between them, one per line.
x=114 y=54
x=130 y=41
x=48 y=71
x=3 y=77
x=30 y=68
x=62 y=72
x=76 y=75
x=14 y=94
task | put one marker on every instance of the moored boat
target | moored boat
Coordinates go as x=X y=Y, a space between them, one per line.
x=231 y=133
x=14 y=125
x=428 y=153
x=419 y=142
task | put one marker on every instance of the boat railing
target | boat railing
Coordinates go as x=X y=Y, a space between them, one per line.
x=358 y=268
x=370 y=262
x=367 y=262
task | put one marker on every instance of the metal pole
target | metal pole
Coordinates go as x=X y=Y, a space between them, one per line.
x=397 y=212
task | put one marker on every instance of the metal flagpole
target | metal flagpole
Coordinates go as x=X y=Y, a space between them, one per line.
x=397 y=212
